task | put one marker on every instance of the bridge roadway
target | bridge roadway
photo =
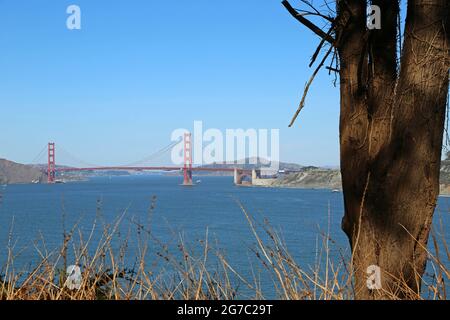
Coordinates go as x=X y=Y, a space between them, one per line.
x=68 y=169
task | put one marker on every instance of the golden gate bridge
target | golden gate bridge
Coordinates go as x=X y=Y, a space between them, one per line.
x=187 y=168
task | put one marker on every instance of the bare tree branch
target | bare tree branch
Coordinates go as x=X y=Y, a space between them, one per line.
x=307 y=23
x=305 y=93
x=319 y=47
x=317 y=12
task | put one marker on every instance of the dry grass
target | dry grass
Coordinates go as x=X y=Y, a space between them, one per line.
x=187 y=274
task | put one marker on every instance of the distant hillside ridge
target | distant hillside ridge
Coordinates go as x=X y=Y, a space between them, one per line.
x=255 y=163
x=322 y=178
x=311 y=178
x=16 y=173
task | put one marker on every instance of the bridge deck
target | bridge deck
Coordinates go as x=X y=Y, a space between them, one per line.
x=147 y=169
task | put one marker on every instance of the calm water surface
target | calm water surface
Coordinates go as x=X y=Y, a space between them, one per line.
x=36 y=212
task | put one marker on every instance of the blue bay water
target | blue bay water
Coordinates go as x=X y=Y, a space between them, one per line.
x=30 y=213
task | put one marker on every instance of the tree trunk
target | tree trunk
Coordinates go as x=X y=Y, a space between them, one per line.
x=391 y=131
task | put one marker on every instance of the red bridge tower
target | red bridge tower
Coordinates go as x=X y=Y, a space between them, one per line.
x=187 y=170
x=51 y=169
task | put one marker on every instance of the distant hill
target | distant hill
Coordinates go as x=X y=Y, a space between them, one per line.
x=445 y=171
x=323 y=178
x=254 y=163
x=311 y=178
x=445 y=175
x=13 y=173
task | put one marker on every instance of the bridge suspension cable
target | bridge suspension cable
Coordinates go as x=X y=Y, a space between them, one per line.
x=71 y=160
x=154 y=155
x=71 y=157
x=39 y=156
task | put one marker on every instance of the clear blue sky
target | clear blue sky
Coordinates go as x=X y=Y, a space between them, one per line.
x=114 y=91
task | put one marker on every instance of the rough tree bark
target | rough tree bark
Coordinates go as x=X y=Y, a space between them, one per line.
x=392 y=116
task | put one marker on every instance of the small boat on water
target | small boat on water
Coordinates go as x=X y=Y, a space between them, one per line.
x=335 y=190
x=198 y=181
